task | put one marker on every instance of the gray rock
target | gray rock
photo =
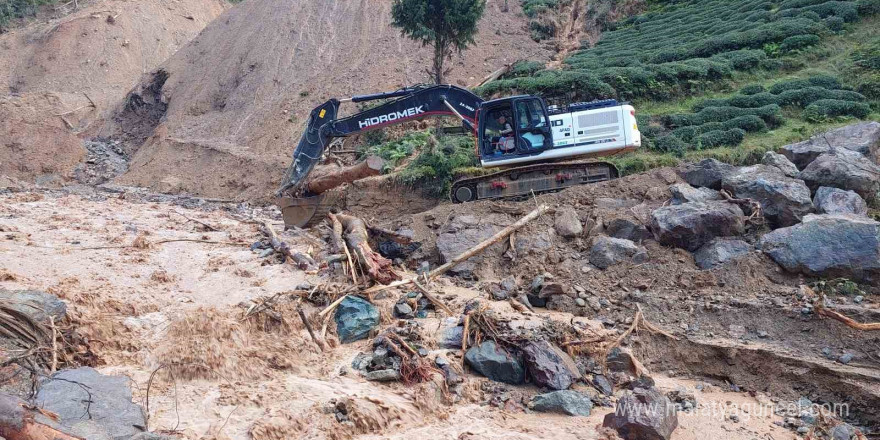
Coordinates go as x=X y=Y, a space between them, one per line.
x=706 y=173
x=580 y=302
x=720 y=251
x=627 y=230
x=692 y=225
x=150 y=436
x=785 y=201
x=603 y=384
x=843 y=431
x=496 y=363
x=403 y=310
x=620 y=360
x=608 y=251
x=781 y=162
x=451 y=334
x=827 y=245
x=567 y=222
x=863 y=137
x=464 y=232
x=845 y=358
x=355 y=318
x=567 y=402
x=509 y=285
x=685 y=193
x=643 y=414
x=837 y=201
x=35 y=304
x=548 y=366
x=537 y=284
x=844 y=169
x=387 y=375
x=83 y=394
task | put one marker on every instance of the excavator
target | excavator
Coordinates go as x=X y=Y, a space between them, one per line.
x=533 y=146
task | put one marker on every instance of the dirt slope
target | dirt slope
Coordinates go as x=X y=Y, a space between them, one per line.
x=238 y=95
x=79 y=66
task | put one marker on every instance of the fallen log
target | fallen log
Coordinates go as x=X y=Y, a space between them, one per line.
x=501 y=235
x=303 y=261
x=21 y=421
x=376 y=266
x=371 y=166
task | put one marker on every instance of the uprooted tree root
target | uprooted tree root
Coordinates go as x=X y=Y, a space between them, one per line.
x=413 y=368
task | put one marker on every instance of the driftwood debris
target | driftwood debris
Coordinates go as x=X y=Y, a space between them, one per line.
x=501 y=235
x=357 y=239
x=371 y=166
x=303 y=261
x=22 y=421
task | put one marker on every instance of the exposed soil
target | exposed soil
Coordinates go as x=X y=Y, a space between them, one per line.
x=59 y=77
x=232 y=109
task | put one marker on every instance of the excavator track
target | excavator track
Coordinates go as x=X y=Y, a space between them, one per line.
x=523 y=181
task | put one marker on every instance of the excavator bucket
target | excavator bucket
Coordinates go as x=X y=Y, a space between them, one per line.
x=304 y=212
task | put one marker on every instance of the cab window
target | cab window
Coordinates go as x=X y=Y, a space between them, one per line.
x=530 y=114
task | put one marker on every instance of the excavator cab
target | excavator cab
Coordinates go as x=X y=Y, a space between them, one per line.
x=526 y=116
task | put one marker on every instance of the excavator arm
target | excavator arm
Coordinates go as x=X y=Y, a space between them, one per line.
x=407 y=104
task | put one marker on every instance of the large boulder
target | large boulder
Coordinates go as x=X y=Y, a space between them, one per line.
x=685 y=193
x=844 y=169
x=548 y=366
x=828 y=245
x=567 y=222
x=784 y=201
x=863 y=137
x=608 y=251
x=720 y=251
x=34 y=304
x=496 y=363
x=464 y=232
x=628 y=230
x=643 y=414
x=83 y=394
x=781 y=162
x=837 y=201
x=355 y=318
x=691 y=225
x=567 y=402
x=706 y=173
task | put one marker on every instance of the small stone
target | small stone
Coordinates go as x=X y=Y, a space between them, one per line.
x=803 y=430
x=845 y=358
x=537 y=284
x=389 y=375
x=567 y=402
x=580 y=302
x=734 y=418
x=858 y=299
x=355 y=318
x=403 y=310
x=603 y=385
x=826 y=352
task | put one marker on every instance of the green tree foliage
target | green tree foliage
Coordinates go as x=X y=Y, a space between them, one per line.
x=447 y=25
x=13 y=9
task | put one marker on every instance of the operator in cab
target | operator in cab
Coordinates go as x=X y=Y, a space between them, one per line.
x=506 y=143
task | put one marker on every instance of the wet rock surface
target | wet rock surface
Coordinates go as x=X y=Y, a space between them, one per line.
x=608 y=251
x=466 y=231
x=567 y=402
x=643 y=414
x=627 y=230
x=692 y=225
x=548 y=366
x=780 y=162
x=784 y=201
x=496 y=363
x=844 y=169
x=863 y=137
x=706 y=173
x=719 y=251
x=829 y=246
x=685 y=193
x=82 y=395
x=355 y=318
x=837 y=201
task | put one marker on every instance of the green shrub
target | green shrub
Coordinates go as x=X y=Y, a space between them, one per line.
x=687 y=133
x=748 y=123
x=671 y=144
x=533 y=8
x=395 y=151
x=835 y=23
x=752 y=89
x=824 y=81
x=798 y=42
x=721 y=138
x=868 y=7
x=14 y=9
x=435 y=167
x=743 y=59
x=524 y=68
x=808 y=95
x=825 y=109
x=870 y=87
x=752 y=101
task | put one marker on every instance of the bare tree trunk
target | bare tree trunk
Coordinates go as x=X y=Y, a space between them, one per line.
x=378 y=267
x=439 y=57
x=372 y=166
